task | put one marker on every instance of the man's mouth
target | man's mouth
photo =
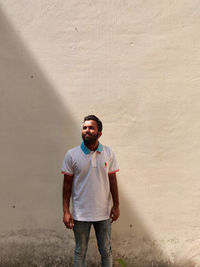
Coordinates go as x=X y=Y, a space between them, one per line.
x=87 y=135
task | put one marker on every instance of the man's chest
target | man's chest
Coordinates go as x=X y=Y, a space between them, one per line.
x=93 y=161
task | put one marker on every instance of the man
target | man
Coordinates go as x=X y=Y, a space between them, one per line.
x=90 y=177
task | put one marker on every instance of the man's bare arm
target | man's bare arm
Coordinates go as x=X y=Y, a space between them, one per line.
x=114 y=213
x=67 y=191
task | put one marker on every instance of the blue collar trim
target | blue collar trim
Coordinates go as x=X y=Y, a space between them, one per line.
x=87 y=150
x=100 y=148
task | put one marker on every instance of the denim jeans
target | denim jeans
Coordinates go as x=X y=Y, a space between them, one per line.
x=103 y=235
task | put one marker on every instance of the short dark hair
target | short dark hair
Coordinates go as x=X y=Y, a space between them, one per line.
x=94 y=118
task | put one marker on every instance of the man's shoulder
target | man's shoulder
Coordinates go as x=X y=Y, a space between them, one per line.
x=72 y=154
x=107 y=149
x=74 y=150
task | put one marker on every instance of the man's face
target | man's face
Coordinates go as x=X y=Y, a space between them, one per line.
x=90 y=132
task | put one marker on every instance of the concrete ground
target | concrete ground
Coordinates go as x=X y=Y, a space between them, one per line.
x=45 y=248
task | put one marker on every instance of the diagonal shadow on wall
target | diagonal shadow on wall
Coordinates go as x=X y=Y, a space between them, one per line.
x=36 y=130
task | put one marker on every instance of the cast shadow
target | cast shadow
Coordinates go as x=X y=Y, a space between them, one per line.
x=36 y=131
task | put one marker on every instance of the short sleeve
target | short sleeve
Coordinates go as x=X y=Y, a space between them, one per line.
x=67 y=167
x=113 y=166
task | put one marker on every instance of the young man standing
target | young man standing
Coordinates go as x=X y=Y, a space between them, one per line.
x=90 y=177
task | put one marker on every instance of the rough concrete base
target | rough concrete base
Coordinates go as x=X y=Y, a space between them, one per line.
x=47 y=248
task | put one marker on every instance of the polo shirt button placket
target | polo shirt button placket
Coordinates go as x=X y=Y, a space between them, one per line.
x=94 y=161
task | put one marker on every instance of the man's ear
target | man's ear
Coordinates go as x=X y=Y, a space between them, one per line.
x=100 y=134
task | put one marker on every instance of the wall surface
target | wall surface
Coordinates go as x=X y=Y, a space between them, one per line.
x=136 y=65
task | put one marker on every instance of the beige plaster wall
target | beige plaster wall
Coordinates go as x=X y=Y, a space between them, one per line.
x=136 y=65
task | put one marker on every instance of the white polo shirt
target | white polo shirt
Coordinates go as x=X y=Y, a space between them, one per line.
x=91 y=188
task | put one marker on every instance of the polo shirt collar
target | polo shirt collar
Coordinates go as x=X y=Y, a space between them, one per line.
x=86 y=150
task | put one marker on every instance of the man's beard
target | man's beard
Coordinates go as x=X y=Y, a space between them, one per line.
x=91 y=140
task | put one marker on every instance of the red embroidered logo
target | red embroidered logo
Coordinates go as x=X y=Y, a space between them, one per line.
x=105 y=164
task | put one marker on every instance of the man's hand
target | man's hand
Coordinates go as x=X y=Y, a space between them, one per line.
x=114 y=213
x=68 y=220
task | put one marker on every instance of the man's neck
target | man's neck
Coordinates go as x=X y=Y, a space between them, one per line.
x=92 y=147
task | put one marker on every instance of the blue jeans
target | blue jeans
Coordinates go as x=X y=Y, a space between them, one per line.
x=103 y=235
